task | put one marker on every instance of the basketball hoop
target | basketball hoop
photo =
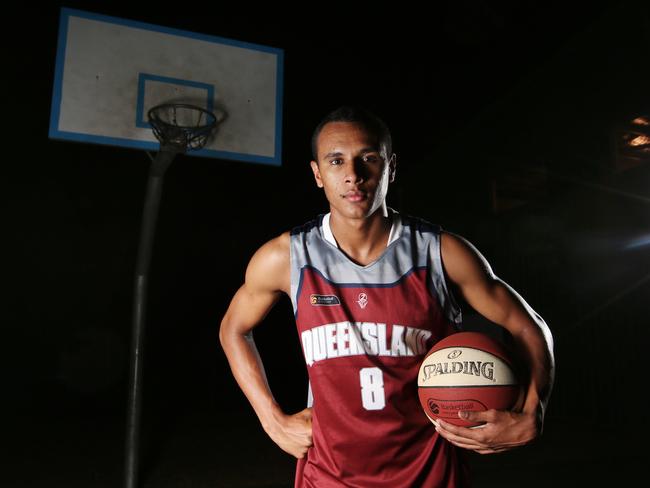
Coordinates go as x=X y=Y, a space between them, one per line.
x=181 y=126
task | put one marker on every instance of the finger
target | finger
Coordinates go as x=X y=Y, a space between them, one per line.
x=470 y=447
x=305 y=414
x=462 y=441
x=487 y=451
x=472 y=416
x=479 y=446
x=457 y=430
x=494 y=450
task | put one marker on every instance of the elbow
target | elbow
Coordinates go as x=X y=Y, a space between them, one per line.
x=223 y=333
x=230 y=334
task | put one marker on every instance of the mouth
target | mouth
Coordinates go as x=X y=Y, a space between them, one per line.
x=355 y=196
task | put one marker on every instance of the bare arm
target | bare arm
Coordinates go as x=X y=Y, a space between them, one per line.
x=267 y=276
x=498 y=302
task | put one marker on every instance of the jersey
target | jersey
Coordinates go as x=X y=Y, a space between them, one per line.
x=364 y=331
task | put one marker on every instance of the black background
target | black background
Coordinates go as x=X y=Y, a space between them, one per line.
x=476 y=93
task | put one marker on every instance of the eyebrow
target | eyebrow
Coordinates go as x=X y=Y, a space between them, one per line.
x=363 y=151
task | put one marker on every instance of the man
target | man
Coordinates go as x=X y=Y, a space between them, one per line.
x=370 y=290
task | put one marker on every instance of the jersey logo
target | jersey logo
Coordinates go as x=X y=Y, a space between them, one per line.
x=324 y=300
x=363 y=300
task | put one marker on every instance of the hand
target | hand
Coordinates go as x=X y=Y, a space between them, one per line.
x=502 y=431
x=292 y=432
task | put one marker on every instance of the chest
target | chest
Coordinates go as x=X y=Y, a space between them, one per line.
x=407 y=301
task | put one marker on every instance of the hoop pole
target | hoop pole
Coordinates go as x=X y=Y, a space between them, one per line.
x=147 y=230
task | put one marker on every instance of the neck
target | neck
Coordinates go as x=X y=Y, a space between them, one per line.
x=362 y=239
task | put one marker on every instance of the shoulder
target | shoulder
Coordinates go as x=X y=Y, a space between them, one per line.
x=269 y=267
x=461 y=258
x=455 y=245
x=274 y=253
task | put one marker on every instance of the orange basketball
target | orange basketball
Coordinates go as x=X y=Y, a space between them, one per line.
x=466 y=371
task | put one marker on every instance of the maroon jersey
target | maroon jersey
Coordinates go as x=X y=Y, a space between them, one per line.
x=364 y=332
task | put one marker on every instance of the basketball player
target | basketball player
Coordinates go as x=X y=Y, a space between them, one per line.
x=370 y=289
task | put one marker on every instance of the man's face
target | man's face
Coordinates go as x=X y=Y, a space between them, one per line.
x=352 y=169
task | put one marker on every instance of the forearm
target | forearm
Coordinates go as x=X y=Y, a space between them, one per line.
x=292 y=433
x=248 y=370
x=535 y=344
x=533 y=340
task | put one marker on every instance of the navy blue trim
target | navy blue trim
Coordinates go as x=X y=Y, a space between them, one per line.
x=307 y=226
x=300 y=281
x=365 y=284
x=420 y=224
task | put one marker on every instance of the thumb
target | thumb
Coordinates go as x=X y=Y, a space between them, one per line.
x=306 y=413
x=472 y=416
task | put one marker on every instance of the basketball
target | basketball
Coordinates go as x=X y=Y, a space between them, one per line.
x=466 y=371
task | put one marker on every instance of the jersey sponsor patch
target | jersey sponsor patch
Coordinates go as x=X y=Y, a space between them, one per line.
x=324 y=299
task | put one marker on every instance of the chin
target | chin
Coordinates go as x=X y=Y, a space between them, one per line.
x=359 y=213
x=356 y=210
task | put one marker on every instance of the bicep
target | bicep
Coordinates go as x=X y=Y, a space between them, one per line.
x=264 y=283
x=498 y=302
x=248 y=308
x=480 y=287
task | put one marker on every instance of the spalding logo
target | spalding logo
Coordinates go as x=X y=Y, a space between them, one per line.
x=454 y=354
x=476 y=368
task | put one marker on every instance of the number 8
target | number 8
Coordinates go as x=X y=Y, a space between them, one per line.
x=372 y=388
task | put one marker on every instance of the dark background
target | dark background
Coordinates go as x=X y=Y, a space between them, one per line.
x=505 y=119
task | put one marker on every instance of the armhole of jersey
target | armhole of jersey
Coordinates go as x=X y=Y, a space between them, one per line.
x=310 y=396
x=295 y=243
x=451 y=308
x=291 y=276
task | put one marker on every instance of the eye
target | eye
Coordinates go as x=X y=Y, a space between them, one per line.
x=336 y=162
x=370 y=158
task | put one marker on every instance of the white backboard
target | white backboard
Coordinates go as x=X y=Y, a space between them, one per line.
x=111 y=71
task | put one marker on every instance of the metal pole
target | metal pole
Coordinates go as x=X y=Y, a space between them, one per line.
x=148 y=226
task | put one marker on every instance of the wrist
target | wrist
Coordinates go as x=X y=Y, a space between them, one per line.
x=539 y=417
x=272 y=418
x=535 y=407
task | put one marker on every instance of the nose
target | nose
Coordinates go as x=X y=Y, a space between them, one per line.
x=355 y=172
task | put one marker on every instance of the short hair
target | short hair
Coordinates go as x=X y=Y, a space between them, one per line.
x=358 y=115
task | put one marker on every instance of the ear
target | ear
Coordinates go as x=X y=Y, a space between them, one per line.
x=392 y=168
x=316 y=170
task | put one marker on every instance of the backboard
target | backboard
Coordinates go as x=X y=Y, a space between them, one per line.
x=111 y=71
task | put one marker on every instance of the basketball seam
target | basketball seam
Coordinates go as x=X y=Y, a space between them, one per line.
x=509 y=363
